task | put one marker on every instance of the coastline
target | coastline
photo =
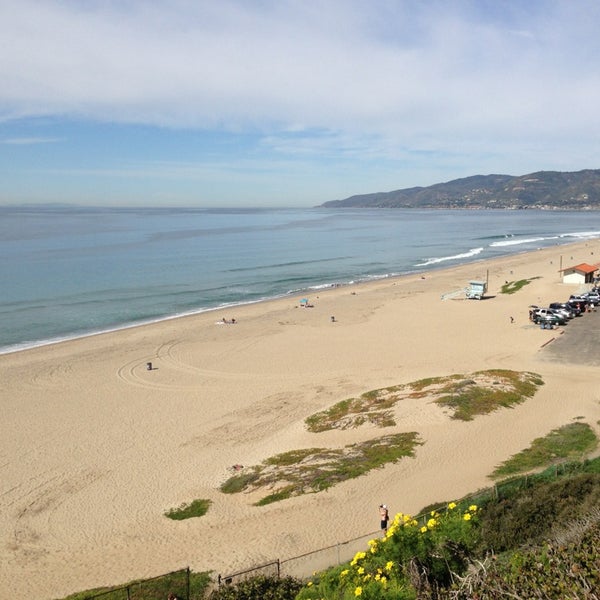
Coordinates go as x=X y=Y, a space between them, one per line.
x=95 y=448
x=32 y=321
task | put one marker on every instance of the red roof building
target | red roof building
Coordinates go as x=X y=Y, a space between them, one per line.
x=578 y=274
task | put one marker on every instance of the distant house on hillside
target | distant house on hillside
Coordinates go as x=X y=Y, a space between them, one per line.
x=579 y=274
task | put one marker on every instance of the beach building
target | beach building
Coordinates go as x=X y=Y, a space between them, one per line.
x=579 y=274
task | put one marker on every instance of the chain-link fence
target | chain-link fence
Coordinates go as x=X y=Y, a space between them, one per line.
x=270 y=569
x=318 y=560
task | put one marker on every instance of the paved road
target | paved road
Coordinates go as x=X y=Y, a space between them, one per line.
x=578 y=344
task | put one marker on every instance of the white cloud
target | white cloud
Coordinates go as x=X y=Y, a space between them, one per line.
x=28 y=141
x=437 y=87
x=378 y=67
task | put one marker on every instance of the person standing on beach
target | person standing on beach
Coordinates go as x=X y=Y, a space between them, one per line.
x=384 y=517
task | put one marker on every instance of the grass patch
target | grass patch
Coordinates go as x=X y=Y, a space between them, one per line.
x=510 y=287
x=315 y=469
x=566 y=442
x=196 y=508
x=467 y=396
x=371 y=407
x=239 y=483
x=157 y=587
x=486 y=391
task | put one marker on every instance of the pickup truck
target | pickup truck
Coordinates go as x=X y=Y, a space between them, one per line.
x=548 y=315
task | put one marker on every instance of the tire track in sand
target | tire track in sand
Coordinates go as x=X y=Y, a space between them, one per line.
x=165 y=358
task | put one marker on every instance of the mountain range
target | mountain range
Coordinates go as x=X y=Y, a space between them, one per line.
x=542 y=190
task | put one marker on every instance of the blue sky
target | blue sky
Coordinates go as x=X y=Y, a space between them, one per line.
x=288 y=102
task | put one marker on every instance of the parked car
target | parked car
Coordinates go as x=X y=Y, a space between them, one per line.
x=562 y=308
x=579 y=301
x=592 y=297
x=548 y=314
x=548 y=319
x=575 y=307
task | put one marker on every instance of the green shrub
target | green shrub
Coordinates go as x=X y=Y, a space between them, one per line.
x=551 y=570
x=529 y=514
x=196 y=508
x=412 y=557
x=259 y=588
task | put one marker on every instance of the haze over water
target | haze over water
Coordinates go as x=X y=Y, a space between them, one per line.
x=68 y=272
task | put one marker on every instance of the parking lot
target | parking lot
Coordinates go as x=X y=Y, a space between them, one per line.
x=578 y=342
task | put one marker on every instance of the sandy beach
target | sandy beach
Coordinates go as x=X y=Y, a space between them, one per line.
x=94 y=448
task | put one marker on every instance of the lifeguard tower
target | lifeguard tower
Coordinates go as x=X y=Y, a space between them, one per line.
x=476 y=290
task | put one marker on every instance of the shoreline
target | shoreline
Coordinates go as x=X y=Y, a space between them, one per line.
x=431 y=266
x=94 y=448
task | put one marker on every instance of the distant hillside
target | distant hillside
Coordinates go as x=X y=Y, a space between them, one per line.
x=545 y=189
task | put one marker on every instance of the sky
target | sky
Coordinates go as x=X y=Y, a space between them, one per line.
x=288 y=103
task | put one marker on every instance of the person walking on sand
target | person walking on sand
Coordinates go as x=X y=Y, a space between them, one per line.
x=384 y=517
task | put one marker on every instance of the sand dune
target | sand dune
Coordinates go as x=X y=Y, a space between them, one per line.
x=94 y=448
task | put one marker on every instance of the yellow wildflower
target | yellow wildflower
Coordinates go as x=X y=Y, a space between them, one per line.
x=377 y=577
x=361 y=570
x=473 y=507
x=309 y=583
x=389 y=565
x=431 y=523
x=344 y=573
x=467 y=516
x=358 y=591
x=423 y=529
x=452 y=505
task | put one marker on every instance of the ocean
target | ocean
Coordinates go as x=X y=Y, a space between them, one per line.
x=67 y=272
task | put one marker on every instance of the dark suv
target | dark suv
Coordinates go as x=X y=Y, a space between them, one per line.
x=566 y=308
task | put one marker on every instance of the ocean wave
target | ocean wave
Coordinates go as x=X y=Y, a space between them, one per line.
x=287 y=264
x=514 y=242
x=435 y=261
x=584 y=235
x=498 y=236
